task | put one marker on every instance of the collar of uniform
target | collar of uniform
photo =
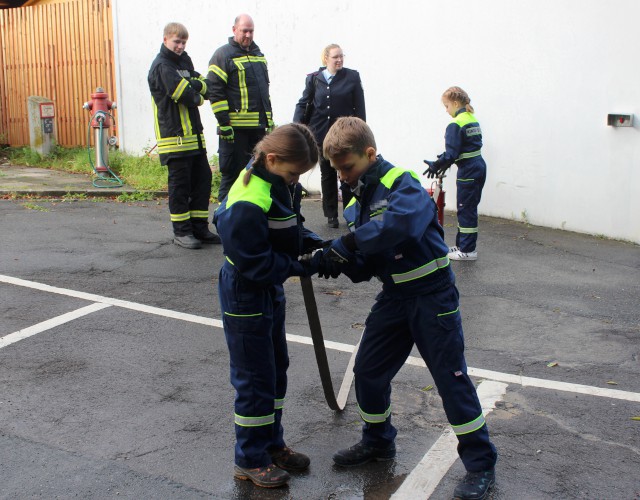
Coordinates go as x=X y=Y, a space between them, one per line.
x=375 y=171
x=252 y=48
x=461 y=110
x=169 y=54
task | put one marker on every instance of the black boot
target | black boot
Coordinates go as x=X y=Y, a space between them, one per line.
x=475 y=485
x=361 y=453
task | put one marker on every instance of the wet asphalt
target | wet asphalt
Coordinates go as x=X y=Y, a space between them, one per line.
x=127 y=403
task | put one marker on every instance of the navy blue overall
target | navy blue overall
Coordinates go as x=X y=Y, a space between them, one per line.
x=262 y=235
x=463 y=144
x=400 y=241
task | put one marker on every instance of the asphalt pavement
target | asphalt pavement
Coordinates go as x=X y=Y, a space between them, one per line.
x=114 y=378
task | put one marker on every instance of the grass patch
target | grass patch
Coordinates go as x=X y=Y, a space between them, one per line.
x=33 y=206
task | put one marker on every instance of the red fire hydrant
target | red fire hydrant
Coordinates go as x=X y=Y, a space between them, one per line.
x=100 y=105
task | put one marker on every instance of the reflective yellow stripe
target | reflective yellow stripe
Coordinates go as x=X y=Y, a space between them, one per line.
x=184 y=119
x=278 y=404
x=469 y=427
x=374 y=418
x=471 y=154
x=421 y=271
x=242 y=82
x=180 y=217
x=180 y=144
x=450 y=312
x=199 y=214
x=218 y=71
x=252 y=315
x=179 y=90
x=254 y=421
x=467 y=230
x=220 y=106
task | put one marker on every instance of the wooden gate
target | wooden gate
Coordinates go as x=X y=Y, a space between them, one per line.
x=61 y=51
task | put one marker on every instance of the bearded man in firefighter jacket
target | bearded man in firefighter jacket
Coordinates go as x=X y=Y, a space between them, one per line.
x=177 y=91
x=239 y=96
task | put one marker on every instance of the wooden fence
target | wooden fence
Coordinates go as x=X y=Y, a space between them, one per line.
x=61 y=51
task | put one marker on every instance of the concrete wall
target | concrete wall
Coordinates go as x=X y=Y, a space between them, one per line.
x=542 y=76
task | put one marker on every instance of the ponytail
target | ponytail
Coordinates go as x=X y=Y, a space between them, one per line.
x=459 y=95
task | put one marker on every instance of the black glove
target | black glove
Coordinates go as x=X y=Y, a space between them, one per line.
x=432 y=171
x=196 y=85
x=328 y=268
x=226 y=132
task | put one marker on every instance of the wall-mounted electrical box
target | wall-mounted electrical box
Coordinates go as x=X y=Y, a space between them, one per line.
x=618 y=120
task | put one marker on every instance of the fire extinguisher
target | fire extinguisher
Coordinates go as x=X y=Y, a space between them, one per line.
x=437 y=194
x=101 y=121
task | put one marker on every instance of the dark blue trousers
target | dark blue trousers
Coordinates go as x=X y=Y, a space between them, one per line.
x=253 y=320
x=472 y=174
x=431 y=322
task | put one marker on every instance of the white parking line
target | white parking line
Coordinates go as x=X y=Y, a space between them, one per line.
x=425 y=477
x=50 y=323
x=475 y=372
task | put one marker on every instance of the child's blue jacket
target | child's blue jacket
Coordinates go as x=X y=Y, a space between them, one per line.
x=397 y=233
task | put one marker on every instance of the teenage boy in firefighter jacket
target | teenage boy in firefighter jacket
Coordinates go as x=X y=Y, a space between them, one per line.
x=177 y=91
x=239 y=96
x=395 y=236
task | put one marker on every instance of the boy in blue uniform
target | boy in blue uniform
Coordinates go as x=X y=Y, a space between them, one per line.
x=395 y=236
x=463 y=144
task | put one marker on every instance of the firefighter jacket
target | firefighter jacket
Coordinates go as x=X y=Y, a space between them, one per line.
x=239 y=91
x=344 y=96
x=397 y=233
x=261 y=228
x=173 y=83
x=463 y=140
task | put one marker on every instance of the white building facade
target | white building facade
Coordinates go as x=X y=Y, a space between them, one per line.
x=542 y=75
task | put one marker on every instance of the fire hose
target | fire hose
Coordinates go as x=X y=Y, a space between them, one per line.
x=338 y=402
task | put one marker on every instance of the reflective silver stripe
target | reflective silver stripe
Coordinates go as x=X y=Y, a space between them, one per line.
x=472 y=426
x=467 y=230
x=283 y=224
x=421 y=271
x=254 y=421
x=374 y=418
x=278 y=404
x=471 y=154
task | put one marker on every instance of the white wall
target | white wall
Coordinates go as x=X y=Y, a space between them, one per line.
x=542 y=76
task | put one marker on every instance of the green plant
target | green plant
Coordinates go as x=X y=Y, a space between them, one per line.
x=24 y=156
x=33 y=206
x=137 y=196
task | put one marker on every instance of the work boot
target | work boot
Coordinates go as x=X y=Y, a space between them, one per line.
x=460 y=255
x=207 y=237
x=333 y=222
x=265 y=477
x=287 y=459
x=475 y=485
x=187 y=241
x=361 y=453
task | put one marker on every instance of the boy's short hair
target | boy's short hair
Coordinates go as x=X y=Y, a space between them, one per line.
x=348 y=134
x=176 y=29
